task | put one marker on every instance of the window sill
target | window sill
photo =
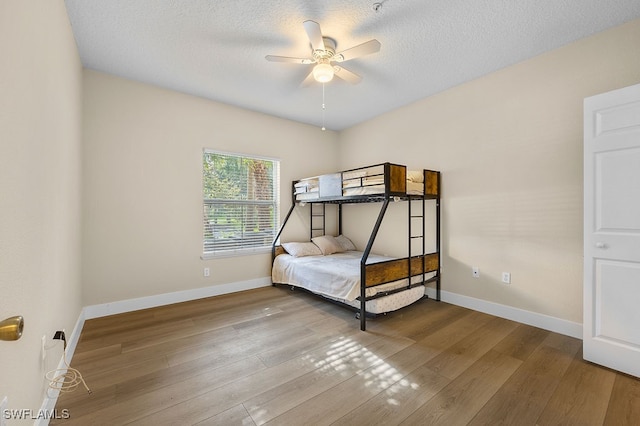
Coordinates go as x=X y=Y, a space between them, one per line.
x=236 y=253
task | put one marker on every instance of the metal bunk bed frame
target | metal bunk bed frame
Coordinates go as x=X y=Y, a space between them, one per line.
x=385 y=199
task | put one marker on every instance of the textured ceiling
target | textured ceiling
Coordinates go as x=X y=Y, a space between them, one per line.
x=216 y=49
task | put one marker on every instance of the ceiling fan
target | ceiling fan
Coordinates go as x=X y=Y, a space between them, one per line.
x=323 y=54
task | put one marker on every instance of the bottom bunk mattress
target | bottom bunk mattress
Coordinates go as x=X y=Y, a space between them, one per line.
x=337 y=277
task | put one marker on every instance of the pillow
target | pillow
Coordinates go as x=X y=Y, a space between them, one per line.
x=327 y=244
x=415 y=176
x=302 y=249
x=345 y=243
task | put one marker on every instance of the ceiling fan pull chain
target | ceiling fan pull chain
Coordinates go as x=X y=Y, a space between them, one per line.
x=323 y=108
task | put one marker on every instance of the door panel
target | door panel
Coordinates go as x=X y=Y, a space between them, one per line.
x=617 y=119
x=617 y=181
x=617 y=294
x=611 y=327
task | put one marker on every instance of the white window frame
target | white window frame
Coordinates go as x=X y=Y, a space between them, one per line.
x=266 y=248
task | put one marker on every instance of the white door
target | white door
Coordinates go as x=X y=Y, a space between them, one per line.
x=612 y=230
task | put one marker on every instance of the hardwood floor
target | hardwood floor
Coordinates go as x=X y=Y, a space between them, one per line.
x=277 y=357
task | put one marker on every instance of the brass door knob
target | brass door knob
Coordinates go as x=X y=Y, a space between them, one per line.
x=11 y=328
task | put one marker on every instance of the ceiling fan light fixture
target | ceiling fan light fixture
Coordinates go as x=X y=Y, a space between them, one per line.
x=323 y=72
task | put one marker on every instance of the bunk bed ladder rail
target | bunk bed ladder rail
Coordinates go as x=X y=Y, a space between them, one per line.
x=317 y=215
x=412 y=237
x=363 y=265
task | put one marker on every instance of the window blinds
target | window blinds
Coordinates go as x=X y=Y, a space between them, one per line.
x=240 y=201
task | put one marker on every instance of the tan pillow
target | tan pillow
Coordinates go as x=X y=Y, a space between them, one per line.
x=327 y=244
x=345 y=243
x=415 y=176
x=302 y=249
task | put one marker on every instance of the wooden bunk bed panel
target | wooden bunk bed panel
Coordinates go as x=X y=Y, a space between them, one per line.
x=396 y=269
x=397 y=179
x=432 y=262
x=431 y=183
x=278 y=250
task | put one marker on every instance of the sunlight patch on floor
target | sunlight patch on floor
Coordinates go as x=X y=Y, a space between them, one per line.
x=378 y=374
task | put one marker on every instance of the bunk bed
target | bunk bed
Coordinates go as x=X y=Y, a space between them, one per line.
x=333 y=268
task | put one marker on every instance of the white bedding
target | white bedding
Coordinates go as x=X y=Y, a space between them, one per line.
x=308 y=196
x=367 y=181
x=336 y=276
x=413 y=188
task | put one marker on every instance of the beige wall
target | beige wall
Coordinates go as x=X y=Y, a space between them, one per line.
x=510 y=149
x=40 y=124
x=142 y=232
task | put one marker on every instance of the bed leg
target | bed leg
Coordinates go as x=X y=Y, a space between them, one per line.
x=363 y=321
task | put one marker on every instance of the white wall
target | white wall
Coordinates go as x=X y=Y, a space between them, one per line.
x=40 y=125
x=142 y=233
x=509 y=146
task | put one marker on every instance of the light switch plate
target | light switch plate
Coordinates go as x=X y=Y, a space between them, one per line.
x=4 y=405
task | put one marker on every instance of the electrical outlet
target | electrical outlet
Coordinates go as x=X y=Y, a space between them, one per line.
x=207 y=272
x=506 y=277
x=475 y=271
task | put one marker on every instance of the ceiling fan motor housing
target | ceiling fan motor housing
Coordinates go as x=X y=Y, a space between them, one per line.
x=328 y=54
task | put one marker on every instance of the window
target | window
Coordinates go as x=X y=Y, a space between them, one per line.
x=241 y=203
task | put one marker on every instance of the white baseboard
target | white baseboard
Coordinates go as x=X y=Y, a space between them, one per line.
x=546 y=322
x=112 y=308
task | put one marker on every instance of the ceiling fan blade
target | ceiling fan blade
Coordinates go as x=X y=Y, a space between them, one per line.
x=303 y=61
x=366 y=48
x=308 y=80
x=347 y=75
x=315 y=35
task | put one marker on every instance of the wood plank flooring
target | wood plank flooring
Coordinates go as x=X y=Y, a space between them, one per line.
x=276 y=357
